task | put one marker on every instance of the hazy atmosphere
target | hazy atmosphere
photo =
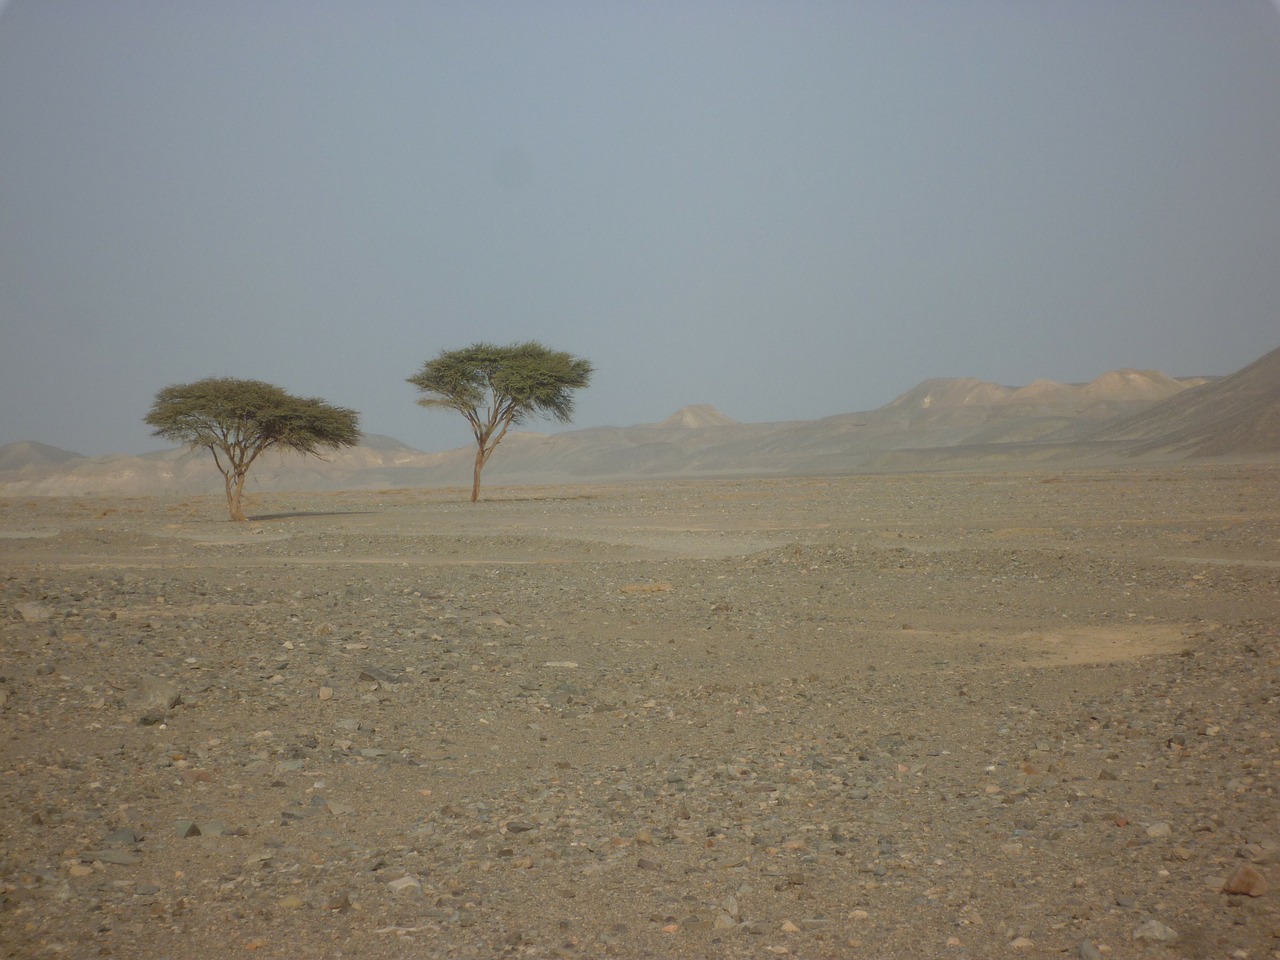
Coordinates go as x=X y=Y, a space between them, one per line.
x=783 y=210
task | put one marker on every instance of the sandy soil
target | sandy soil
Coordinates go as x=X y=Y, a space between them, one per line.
x=952 y=715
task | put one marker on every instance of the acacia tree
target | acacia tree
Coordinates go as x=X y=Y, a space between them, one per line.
x=495 y=387
x=236 y=420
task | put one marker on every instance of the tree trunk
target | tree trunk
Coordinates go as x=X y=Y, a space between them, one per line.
x=475 y=476
x=235 y=496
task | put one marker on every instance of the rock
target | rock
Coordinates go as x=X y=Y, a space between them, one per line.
x=1087 y=951
x=33 y=612
x=375 y=675
x=1154 y=931
x=122 y=838
x=116 y=856
x=410 y=886
x=1246 y=881
x=153 y=698
x=1159 y=829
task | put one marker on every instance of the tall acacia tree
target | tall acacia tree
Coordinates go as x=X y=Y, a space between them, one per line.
x=495 y=387
x=236 y=420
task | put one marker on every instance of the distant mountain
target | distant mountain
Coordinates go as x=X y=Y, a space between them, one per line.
x=938 y=424
x=1120 y=391
x=1232 y=416
x=27 y=456
x=697 y=417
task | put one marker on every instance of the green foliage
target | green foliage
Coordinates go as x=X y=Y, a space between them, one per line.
x=495 y=387
x=236 y=420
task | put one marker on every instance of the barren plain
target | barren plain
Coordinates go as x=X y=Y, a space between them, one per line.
x=968 y=715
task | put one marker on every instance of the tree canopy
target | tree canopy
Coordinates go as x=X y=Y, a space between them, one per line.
x=236 y=420
x=494 y=387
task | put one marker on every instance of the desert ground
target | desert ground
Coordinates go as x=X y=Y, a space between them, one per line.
x=960 y=715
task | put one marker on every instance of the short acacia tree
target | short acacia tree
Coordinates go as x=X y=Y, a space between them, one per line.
x=236 y=420
x=495 y=387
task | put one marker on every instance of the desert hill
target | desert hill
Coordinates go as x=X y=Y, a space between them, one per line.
x=938 y=424
x=1238 y=415
x=29 y=457
x=698 y=416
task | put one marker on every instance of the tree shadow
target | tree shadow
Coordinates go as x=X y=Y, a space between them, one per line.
x=535 y=499
x=264 y=517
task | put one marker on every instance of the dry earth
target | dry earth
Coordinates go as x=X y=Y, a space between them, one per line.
x=949 y=715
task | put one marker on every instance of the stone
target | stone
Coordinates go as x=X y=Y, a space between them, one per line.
x=410 y=886
x=376 y=675
x=1087 y=951
x=115 y=856
x=1154 y=931
x=152 y=698
x=122 y=838
x=33 y=612
x=1246 y=881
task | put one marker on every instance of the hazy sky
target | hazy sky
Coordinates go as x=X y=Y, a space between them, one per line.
x=786 y=209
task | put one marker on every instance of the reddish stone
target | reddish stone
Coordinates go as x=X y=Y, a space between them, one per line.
x=1247 y=881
